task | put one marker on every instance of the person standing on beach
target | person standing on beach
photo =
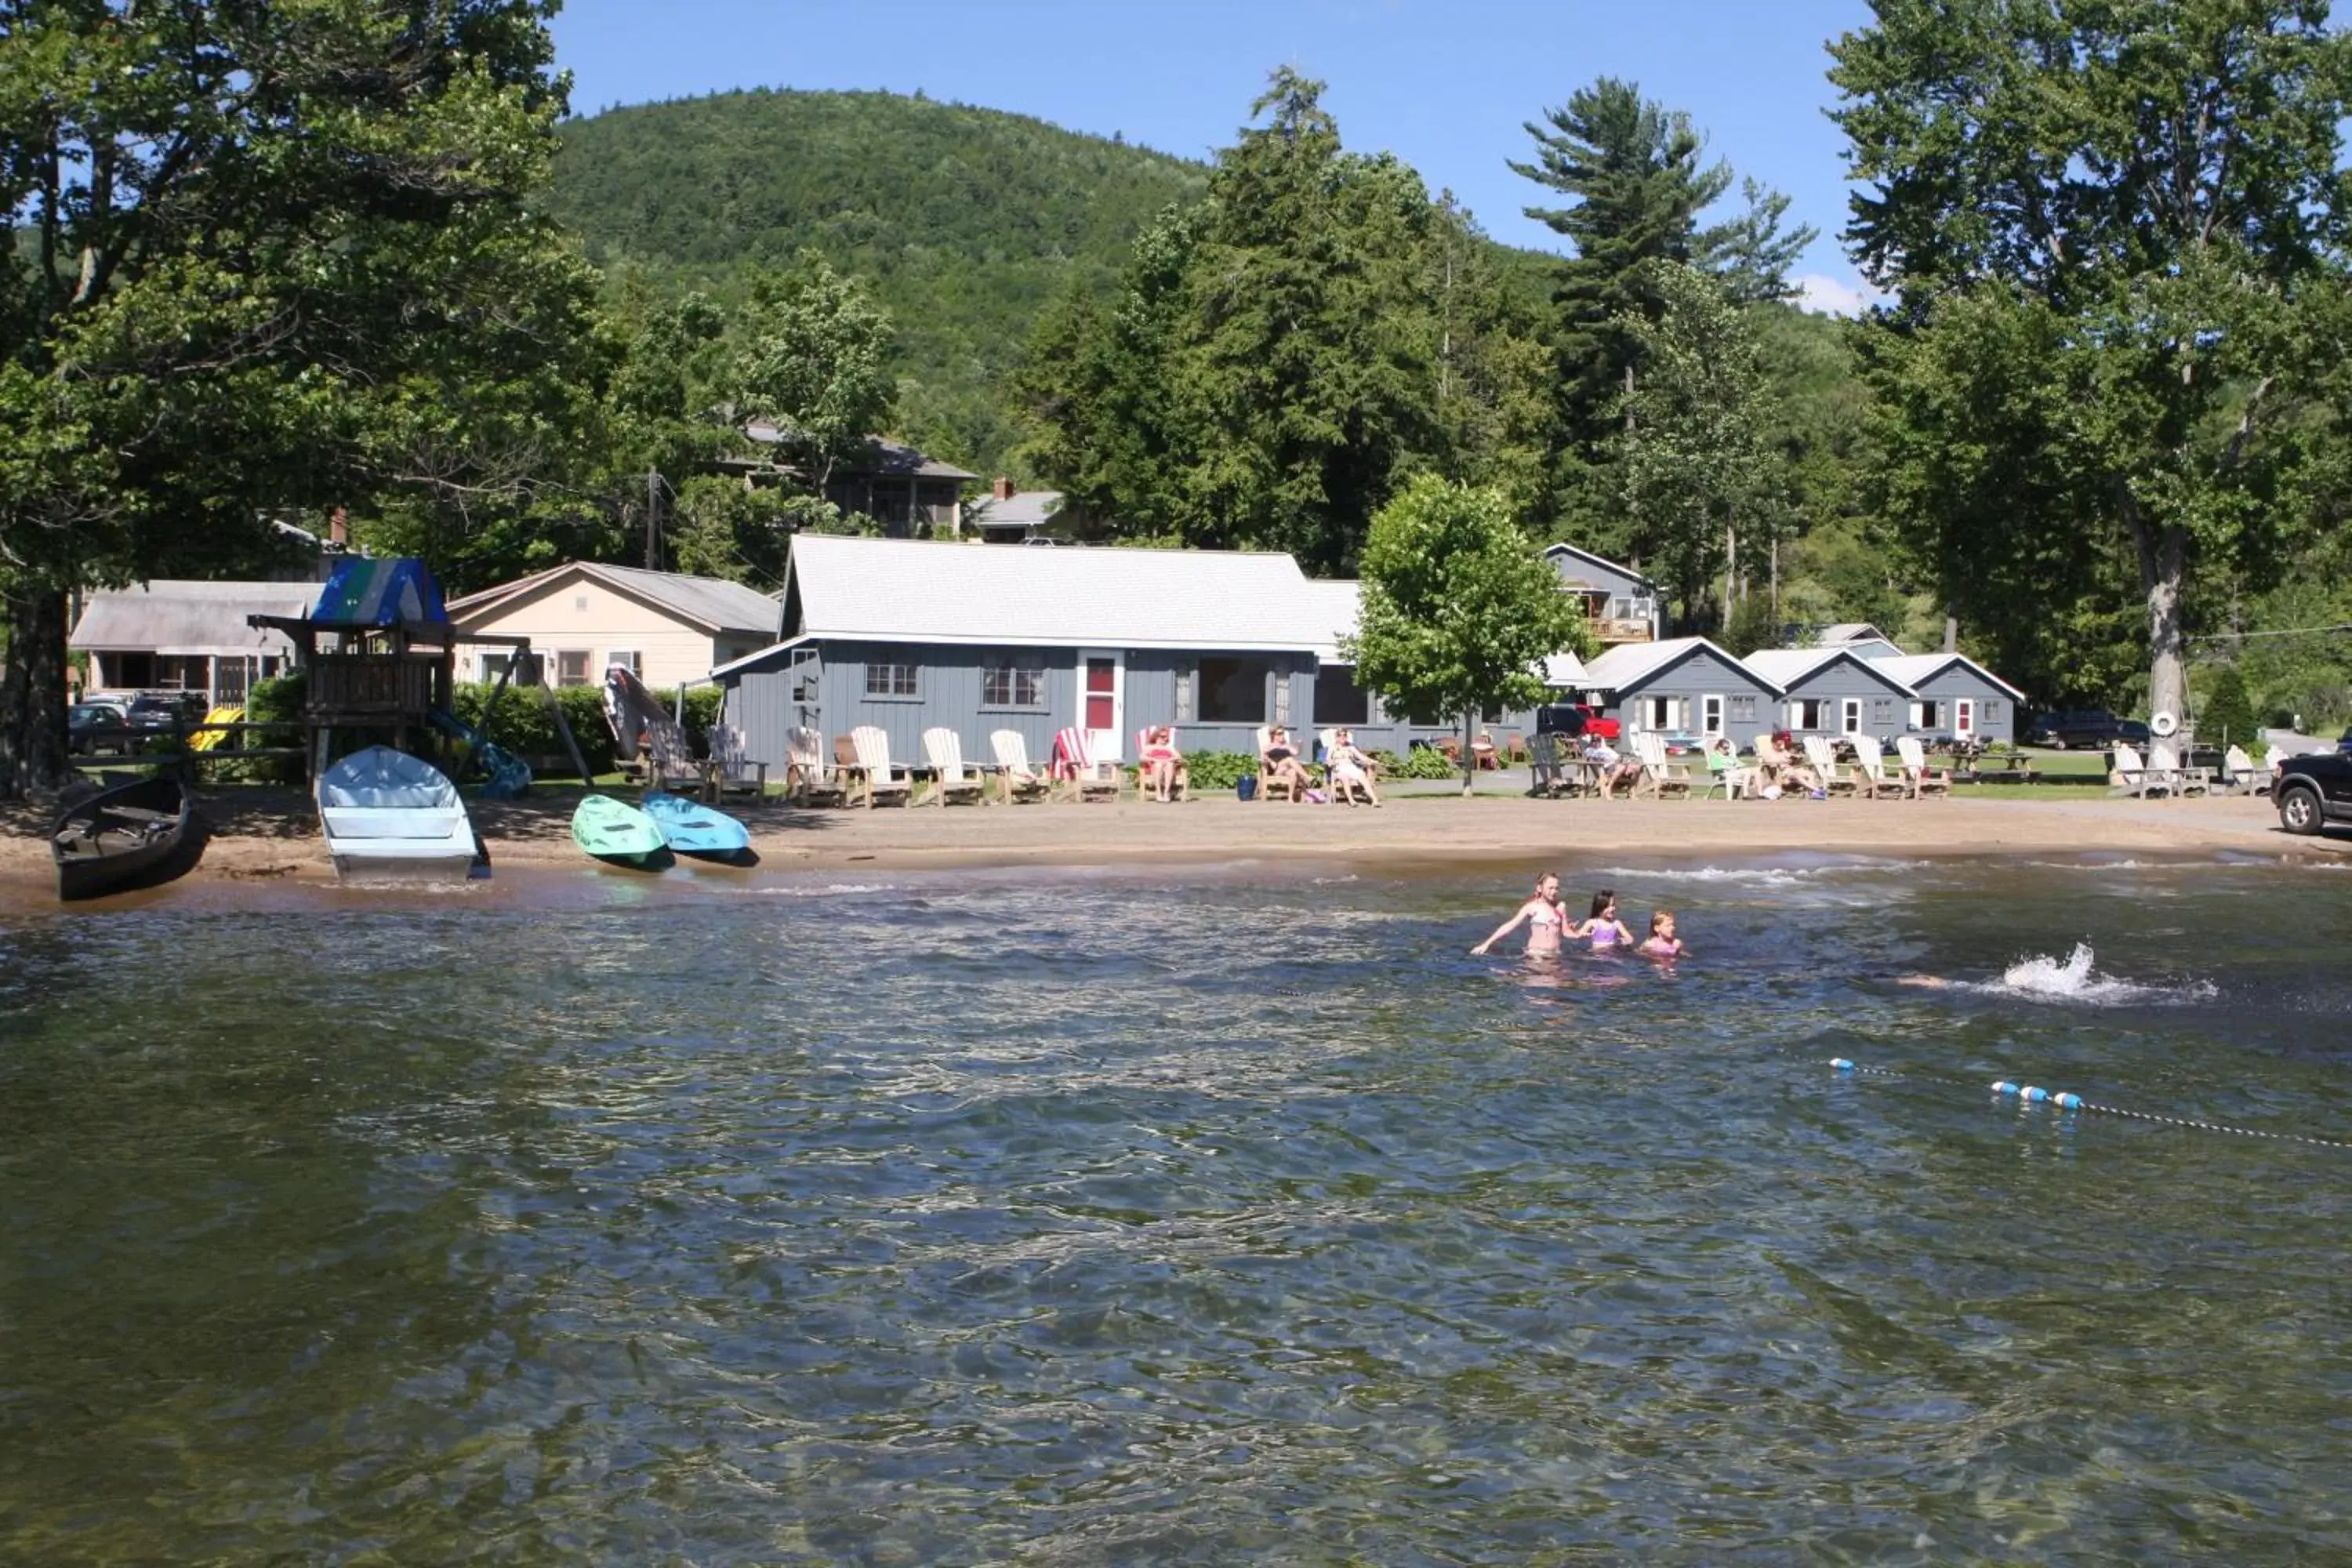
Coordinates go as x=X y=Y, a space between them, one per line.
x=1543 y=917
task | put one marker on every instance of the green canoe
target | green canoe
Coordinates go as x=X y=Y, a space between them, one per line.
x=619 y=834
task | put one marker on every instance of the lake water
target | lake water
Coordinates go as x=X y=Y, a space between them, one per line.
x=1154 y=1218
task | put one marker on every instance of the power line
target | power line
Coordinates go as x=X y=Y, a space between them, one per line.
x=2287 y=632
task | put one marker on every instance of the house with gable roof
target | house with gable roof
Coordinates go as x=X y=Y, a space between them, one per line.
x=1835 y=690
x=1686 y=684
x=582 y=617
x=905 y=635
x=1954 y=695
x=1620 y=606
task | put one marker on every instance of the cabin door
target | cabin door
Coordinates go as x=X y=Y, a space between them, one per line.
x=1964 y=718
x=1851 y=715
x=1710 y=710
x=1102 y=699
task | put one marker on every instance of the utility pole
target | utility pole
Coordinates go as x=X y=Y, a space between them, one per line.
x=653 y=519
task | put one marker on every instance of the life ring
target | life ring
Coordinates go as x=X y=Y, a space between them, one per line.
x=2163 y=724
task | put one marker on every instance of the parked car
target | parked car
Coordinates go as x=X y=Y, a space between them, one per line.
x=162 y=712
x=1576 y=719
x=92 y=727
x=2132 y=732
x=2314 y=790
x=2344 y=743
x=2088 y=727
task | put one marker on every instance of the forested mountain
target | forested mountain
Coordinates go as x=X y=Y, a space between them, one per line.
x=964 y=222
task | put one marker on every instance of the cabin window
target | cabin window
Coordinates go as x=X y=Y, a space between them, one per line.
x=890 y=679
x=1881 y=712
x=1005 y=683
x=1187 y=678
x=494 y=665
x=1805 y=713
x=1925 y=715
x=626 y=658
x=1658 y=712
x=1338 y=698
x=571 y=667
x=1232 y=690
x=1743 y=710
x=1988 y=710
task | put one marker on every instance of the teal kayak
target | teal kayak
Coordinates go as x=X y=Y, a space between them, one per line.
x=694 y=828
x=622 y=835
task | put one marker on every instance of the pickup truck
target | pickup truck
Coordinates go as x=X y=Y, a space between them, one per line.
x=2314 y=791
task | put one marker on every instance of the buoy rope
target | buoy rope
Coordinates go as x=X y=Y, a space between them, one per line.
x=2031 y=1094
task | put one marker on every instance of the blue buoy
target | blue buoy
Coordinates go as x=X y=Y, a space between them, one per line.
x=2068 y=1102
x=1840 y=1064
x=2004 y=1087
x=2029 y=1093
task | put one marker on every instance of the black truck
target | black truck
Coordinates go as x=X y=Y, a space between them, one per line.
x=2314 y=791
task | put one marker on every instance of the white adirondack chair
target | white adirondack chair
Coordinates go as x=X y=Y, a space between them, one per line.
x=2164 y=761
x=881 y=779
x=1015 y=779
x=810 y=777
x=1837 y=778
x=2241 y=774
x=2133 y=777
x=1870 y=760
x=1922 y=779
x=1661 y=776
x=943 y=751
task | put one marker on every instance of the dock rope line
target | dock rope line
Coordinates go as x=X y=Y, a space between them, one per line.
x=2031 y=1094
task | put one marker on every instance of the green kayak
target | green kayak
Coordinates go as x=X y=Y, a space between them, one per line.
x=621 y=835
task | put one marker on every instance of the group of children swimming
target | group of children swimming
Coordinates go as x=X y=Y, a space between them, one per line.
x=1549 y=925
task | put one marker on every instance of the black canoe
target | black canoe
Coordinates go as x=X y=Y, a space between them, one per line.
x=132 y=836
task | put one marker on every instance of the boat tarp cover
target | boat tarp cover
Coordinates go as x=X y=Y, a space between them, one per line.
x=370 y=592
x=383 y=778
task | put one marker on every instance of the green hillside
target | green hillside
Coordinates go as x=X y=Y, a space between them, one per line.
x=965 y=222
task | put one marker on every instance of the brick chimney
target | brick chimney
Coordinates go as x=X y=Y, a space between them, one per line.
x=1002 y=488
x=339 y=530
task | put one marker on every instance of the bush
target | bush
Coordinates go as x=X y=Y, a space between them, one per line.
x=524 y=726
x=2229 y=716
x=278 y=699
x=1420 y=762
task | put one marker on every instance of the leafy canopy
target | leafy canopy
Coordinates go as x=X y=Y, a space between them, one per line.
x=1459 y=611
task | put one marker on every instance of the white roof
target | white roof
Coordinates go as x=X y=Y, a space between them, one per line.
x=916 y=591
x=1851 y=631
x=1911 y=668
x=1565 y=670
x=711 y=603
x=1785 y=666
x=1333 y=606
x=1631 y=663
x=1022 y=508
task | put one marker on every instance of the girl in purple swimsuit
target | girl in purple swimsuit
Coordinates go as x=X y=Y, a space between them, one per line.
x=1604 y=930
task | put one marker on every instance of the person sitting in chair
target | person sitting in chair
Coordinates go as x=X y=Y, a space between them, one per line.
x=1282 y=764
x=1164 y=773
x=1351 y=771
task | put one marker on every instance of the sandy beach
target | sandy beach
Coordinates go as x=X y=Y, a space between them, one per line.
x=272 y=835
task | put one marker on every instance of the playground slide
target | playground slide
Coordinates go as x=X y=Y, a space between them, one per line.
x=207 y=740
x=508 y=775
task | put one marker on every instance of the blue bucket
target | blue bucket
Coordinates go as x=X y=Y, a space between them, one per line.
x=1245 y=786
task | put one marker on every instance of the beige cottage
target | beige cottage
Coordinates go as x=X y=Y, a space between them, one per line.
x=582 y=617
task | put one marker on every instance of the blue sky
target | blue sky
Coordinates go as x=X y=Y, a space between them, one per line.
x=1445 y=86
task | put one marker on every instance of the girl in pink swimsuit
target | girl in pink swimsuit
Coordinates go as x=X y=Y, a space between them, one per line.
x=1545 y=920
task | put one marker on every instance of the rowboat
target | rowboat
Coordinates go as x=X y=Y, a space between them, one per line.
x=130 y=835
x=619 y=834
x=694 y=828
x=388 y=816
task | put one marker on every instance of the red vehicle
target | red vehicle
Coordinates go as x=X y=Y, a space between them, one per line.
x=1576 y=719
x=1599 y=723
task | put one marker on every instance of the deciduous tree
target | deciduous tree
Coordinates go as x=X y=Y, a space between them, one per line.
x=1459 y=610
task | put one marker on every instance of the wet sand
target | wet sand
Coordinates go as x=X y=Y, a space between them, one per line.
x=270 y=836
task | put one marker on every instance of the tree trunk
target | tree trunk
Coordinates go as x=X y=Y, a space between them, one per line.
x=1469 y=755
x=2163 y=550
x=33 y=694
x=1951 y=632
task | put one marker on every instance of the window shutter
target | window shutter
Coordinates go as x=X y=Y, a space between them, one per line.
x=1186 y=676
x=1282 y=696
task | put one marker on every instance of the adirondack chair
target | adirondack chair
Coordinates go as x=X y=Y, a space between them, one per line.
x=1922 y=779
x=2133 y=777
x=1771 y=761
x=871 y=746
x=943 y=751
x=2164 y=761
x=1543 y=754
x=1837 y=778
x=731 y=768
x=1180 y=788
x=1075 y=768
x=1015 y=779
x=1870 y=759
x=1662 y=777
x=809 y=778
x=1270 y=783
x=2241 y=774
x=669 y=762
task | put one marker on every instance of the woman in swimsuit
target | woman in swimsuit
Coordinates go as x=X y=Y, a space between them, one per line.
x=1604 y=930
x=1542 y=915
x=1281 y=759
x=1164 y=772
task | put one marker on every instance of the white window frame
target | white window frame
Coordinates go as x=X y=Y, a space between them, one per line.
x=1850 y=715
x=1711 y=713
x=890 y=691
x=587 y=657
x=1016 y=672
x=1658 y=713
x=634 y=660
x=1743 y=710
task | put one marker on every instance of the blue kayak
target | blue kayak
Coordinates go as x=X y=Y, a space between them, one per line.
x=694 y=828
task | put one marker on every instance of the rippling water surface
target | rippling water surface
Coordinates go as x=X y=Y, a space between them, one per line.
x=1152 y=1218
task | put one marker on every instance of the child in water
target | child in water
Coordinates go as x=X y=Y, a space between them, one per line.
x=1549 y=920
x=1604 y=930
x=1661 y=941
